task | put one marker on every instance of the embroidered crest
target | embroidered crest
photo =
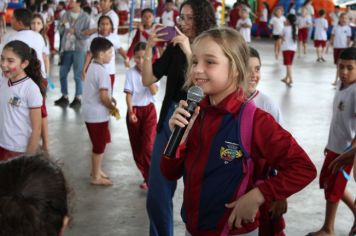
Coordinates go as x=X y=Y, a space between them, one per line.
x=15 y=101
x=230 y=151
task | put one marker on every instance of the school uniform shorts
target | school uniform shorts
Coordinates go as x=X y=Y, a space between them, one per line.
x=99 y=134
x=320 y=43
x=7 y=154
x=333 y=184
x=337 y=52
x=288 y=57
x=303 y=35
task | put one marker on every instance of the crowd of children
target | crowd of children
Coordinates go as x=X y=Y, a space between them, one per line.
x=239 y=184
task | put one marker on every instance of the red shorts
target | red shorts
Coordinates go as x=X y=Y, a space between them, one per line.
x=337 y=52
x=303 y=35
x=2 y=13
x=6 y=154
x=333 y=184
x=320 y=43
x=99 y=134
x=288 y=57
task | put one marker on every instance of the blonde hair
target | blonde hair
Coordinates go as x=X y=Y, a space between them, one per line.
x=235 y=49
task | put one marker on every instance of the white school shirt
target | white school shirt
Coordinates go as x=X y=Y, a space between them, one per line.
x=16 y=100
x=288 y=43
x=245 y=32
x=114 y=39
x=277 y=24
x=343 y=123
x=264 y=16
x=33 y=40
x=265 y=103
x=141 y=95
x=96 y=79
x=302 y=22
x=114 y=18
x=168 y=18
x=321 y=27
x=341 y=33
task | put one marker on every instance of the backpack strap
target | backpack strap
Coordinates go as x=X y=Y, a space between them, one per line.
x=245 y=128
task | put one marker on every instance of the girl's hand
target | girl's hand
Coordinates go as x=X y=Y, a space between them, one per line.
x=113 y=100
x=133 y=118
x=245 y=208
x=278 y=208
x=183 y=42
x=345 y=159
x=179 y=118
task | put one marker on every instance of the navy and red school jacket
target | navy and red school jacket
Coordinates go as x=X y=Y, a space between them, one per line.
x=210 y=181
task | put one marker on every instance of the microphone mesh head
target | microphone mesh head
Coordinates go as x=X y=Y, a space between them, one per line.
x=195 y=94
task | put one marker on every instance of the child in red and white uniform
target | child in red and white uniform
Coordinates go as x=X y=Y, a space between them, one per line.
x=20 y=100
x=289 y=46
x=271 y=219
x=277 y=24
x=97 y=102
x=342 y=136
x=211 y=153
x=340 y=39
x=244 y=25
x=143 y=32
x=304 y=22
x=141 y=118
x=262 y=24
x=169 y=16
x=320 y=35
x=105 y=30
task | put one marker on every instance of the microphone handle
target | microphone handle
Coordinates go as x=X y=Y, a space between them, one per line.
x=178 y=133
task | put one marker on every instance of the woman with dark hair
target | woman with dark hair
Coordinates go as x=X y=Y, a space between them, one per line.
x=196 y=16
x=33 y=197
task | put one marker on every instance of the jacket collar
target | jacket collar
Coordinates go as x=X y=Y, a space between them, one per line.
x=230 y=104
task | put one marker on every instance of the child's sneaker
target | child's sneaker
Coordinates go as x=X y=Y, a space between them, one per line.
x=144 y=186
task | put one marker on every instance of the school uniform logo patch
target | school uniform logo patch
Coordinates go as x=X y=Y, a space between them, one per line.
x=230 y=151
x=15 y=101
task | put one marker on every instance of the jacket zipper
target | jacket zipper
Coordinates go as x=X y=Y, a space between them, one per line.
x=190 y=219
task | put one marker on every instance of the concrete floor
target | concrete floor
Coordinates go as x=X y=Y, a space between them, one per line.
x=120 y=209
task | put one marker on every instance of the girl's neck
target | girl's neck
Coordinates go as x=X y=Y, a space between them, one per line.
x=20 y=76
x=217 y=98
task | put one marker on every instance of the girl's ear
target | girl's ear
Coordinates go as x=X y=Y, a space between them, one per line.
x=24 y=64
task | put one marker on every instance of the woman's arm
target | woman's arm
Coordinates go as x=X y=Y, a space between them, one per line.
x=130 y=110
x=147 y=71
x=36 y=120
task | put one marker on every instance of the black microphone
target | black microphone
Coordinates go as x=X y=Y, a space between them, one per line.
x=194 y=96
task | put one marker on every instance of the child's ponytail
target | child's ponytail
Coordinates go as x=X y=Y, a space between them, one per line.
x=33 y=70
x=292 y=21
